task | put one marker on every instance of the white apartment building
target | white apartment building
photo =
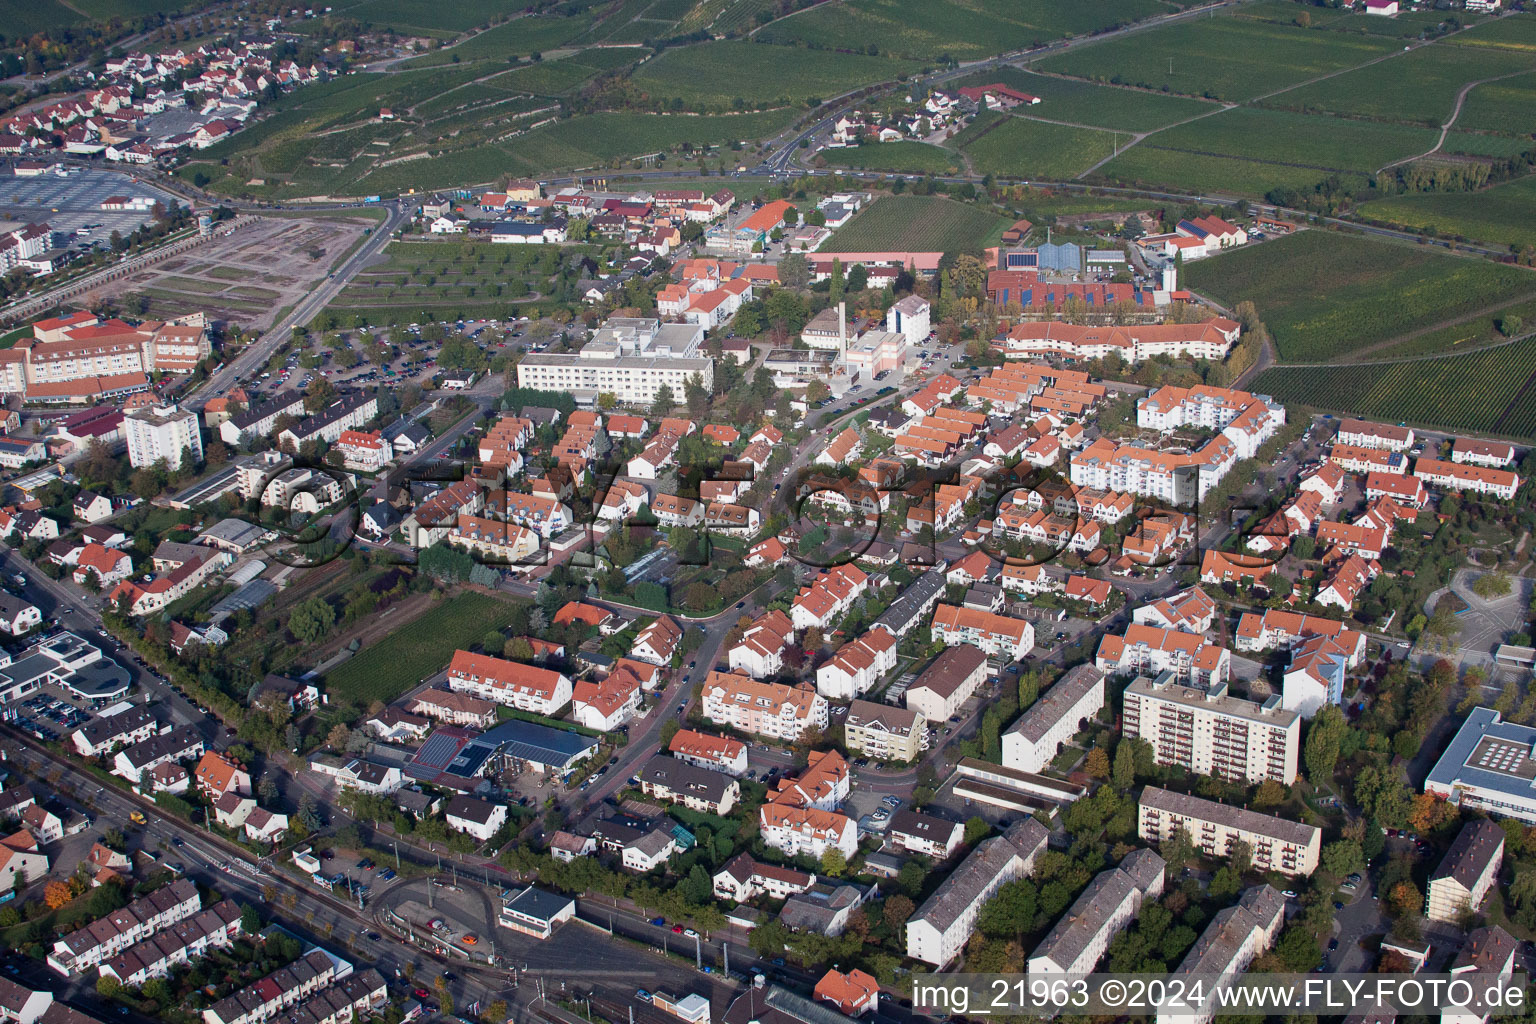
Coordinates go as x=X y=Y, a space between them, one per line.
x=1381 y=436
x=1468 y=871
x=1278 y=844
x=857 y=666
x=941 y=927
x=948 y=683
x=1081 y=938
x=1150 y=650
x=772 y=710
x=911 y=317
x=526 y=687
x=629 y=357
x=997 y=635
x=1235 y=936
x=1035 y=739
x=1462 y=476
x=91 y=944
x=162 y=432
x=1208 y=732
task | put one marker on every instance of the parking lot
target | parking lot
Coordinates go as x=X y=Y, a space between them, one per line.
x=68 y=204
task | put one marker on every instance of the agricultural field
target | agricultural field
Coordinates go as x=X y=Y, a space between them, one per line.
x=1329 y=297
x=905 y=157
x=1215 y=57
x=476 y=279
x=963 y=29
x=1248 y=150
x=423 y=17
x=1490 y=327
x=1502 y=215
x=518 y=37
x=917 y=224
x=1407 y=24
x=387 y=668
x=1438 y=72
x=1102 y=106
x=1508 y=105
x=1493 y=391
x=728 y=16
x=1019 y=147
x=714 y=76
x=1482 y=144
x=1509 y=33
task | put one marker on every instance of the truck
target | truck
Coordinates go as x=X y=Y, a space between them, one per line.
x=137 y=817
x=370 y=199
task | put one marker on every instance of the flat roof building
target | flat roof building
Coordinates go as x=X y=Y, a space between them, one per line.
x=1278 y=844
x=1488 y=766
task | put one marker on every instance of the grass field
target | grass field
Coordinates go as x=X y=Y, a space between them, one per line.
x=424 y=17
x=1326 y=296
x=1216 y=57
x=905 y=156
x=1491 y=392
x=1019 y=147
x=1502 y=215
x=1504 y=106
x=964 y=29
x=386 y=669
x=713 y=76
x=1103 y=106
x=1147 y=164
x=1437 y=71
x=1407 y=24
x=917 y=224
x=1468 y=335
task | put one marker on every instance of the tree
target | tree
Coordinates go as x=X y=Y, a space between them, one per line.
x=107 y=986
x=696 y=395
x=664 y=402
x=444 y=997
x=1123 y=774
x=1343 y=858
x=898 y=909
x=1321 y=752
x=794 y=272
x=1269 y=794
x=1405 y=899
x=311 y=620
x=833 y=862
x=56 y=894
x=250 y=919
x=976 y=830
x=1096 y=764
x=518 y=649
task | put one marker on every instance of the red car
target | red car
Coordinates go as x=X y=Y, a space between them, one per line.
x=420 y=993
x=677 y=929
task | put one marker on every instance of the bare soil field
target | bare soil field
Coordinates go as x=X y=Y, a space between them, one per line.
x=246 y=278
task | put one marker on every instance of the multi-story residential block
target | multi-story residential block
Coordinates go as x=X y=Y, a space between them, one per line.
x=628 y=357
x=346 y=413
x=998 y=635
x=772 y=710
x=857 y=666
x=947 y=683
x=495 y=541
x=1463 y=476
x=124 y=728
x=1278 y=844
x=261 y=420
x=743 y=878
x=801 y=816
x=1493 y=454
x=926 y=834
x=455 y=708
x=941 y=927
x=1033 y=741
x=1489 y=953
x=1487 y=766
x=1081 y=938
x=760 y=651
x=884 y=732
x=1188 y=611
x=657 y=642
x=179 y=744
x=159 y=954
x=679 y=781
x=90 y=945
x=1149 y=650
x=526 y=687
x=1381 y=436
x=1209 y=732
x=81 y=358
x=1235 y=936
x=364 y=450
x=264 y=999
x=828 y=596
x=162 y=432
x=1467 y=872
x=717 y=753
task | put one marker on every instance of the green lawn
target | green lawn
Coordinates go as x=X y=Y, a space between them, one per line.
x=714 y=76
x=1147 y=164
x=519 y=37
x=1438 y=72
x=1502 y=215
x=1221 y=58
x=1019 y=147
x=1325 y=296
x=1102 y=106
x=388 y=668
x=425 y=17
x=964 y=29
x=916 y=224
x=905 y=156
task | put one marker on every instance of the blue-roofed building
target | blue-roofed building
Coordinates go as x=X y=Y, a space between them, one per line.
x=1490 y=766
x=437 y=752
x=1061 y=257
x=539 y=747
x=1021 y=259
